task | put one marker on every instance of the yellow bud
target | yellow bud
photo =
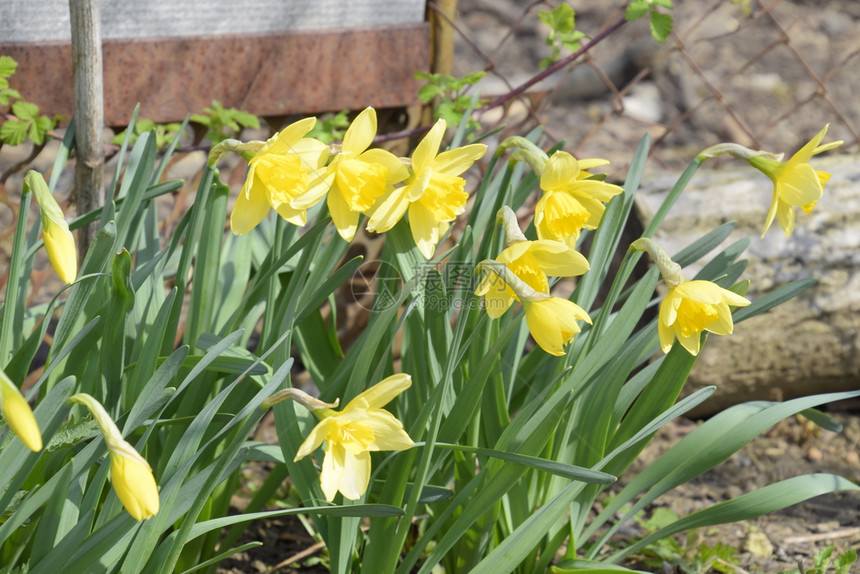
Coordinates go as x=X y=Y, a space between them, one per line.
x=18 y=414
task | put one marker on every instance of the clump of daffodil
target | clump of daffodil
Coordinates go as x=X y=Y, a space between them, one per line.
x=130 y=474
x=795 y=182
x=350 y=435
x=18 y=414
x=530 y=261
x=59 y=242
x=552 y=321
x=357 y=178
x=281 y=169
x=689 y=307
x=434 y=195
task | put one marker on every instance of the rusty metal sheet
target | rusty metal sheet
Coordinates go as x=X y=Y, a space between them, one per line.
x=265 y=74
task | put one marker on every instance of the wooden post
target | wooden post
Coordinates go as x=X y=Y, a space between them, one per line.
x=89 y=112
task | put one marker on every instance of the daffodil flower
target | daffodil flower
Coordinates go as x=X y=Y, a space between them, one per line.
x=59 y=242
x=552 y=321
x=283 y=168
x=18 y=414
x=357 y=178
x=350 y=435
x=570 y=201
x=434 y=196
x=130 y=474
x=530 y=261
x=689 y=307
x=692 y=307
x=795 y=182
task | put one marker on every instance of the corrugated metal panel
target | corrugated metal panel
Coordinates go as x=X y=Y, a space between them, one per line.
x=48 y=20
x=266 y=74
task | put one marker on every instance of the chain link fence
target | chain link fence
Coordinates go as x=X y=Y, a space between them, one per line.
x=764 y=73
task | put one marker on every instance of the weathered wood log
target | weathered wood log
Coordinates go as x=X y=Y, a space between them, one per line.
x=807 y=345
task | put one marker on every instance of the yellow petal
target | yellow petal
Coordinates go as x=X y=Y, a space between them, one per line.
x=426 y=150
x=319 y=184
x=598 y=190
x=359 y=135
x=388 y=210
x=287 y=138
x=458 y=160
x=805 y=153
x=294 y=216
x=553 y=322
x=355 y=476
x=395 y=170
x=381 y=393
x=557 y=259
x=251 y=206
x=388 y=433
x=18 y=414
x=691 y=342
x=332 y=472
x=316 y=437
x=771 y=212
x=425 y=229
x=799 y=185
x=135 y=485
x=560 y=170
x=345 y=220
x=785 y=215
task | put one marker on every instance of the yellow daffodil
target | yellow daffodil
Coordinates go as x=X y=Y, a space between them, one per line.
x=283 y=168
x=434 y=196
x=689 y=307
x=59 y=242
x=570 y=201
x=530 y=261
x=350 y=435
x=18 y=415
x=795 y=182
x=357 y=178
x=692 y=307
x=552 y=321
x=130 y=474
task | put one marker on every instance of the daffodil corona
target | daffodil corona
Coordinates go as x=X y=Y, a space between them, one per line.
x=571 y=201
x=18 y=414
x=283 y=168
x=434 y=196
x=130 y=474
x=357 y=177
x=350 y=435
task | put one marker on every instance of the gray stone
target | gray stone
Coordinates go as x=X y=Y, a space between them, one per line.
x=807 y=345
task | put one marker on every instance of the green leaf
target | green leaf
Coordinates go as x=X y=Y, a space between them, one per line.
x=14 y=132
x=636 y=10
x=765 y=500
x=844 y=561
x=8 y=65
x=560 y=19
x=661 y=25
x=664 y=3
x=25 y=110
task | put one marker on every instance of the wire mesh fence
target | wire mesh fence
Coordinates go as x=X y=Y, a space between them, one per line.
x=764 y=73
